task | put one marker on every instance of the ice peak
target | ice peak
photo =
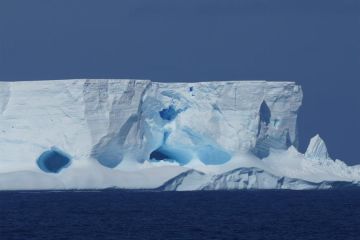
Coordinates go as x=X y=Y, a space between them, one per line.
x=317 y=148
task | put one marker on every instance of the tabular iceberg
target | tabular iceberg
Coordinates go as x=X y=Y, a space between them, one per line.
x=138 y=134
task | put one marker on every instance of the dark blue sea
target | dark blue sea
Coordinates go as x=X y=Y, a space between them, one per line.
x=112 y=214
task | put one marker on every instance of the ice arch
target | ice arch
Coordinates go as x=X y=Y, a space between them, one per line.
x=53 y=161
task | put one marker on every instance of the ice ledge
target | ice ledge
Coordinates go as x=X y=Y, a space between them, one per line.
x=246 y=178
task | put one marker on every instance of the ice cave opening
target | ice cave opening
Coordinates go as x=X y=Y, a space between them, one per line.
x=53 y=161
x=169 y=113
x=172 y=154
x=158 y=155
x=265 y=113
x=209 y=155
x=262 y=146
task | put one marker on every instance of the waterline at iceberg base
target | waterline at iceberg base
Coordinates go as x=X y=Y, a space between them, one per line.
x=138 y=134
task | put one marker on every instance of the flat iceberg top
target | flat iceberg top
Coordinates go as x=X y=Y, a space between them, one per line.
x=148 y=80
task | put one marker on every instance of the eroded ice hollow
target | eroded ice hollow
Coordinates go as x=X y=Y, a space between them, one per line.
x=117 y=122
x=53 y=161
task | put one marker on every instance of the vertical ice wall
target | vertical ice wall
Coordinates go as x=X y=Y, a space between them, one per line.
x=112 y=121
x=120 y=103
x=211 y=121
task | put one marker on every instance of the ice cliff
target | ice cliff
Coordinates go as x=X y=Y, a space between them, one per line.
x=99 y=133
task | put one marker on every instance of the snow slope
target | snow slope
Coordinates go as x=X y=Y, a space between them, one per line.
x=99 y=133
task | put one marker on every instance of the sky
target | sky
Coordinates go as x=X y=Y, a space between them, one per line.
x=315 y=43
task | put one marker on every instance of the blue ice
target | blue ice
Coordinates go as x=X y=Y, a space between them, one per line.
x=169 y=113
x=53 y=161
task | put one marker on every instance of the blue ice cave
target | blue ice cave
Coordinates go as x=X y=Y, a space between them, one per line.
x=158 y=155
x=169 y=113
x=178 y=154
x=204 y=149
x=53 y=161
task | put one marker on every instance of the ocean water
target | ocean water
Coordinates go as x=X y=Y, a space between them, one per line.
x=112 y=214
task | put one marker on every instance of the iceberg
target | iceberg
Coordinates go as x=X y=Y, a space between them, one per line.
x=139 y=134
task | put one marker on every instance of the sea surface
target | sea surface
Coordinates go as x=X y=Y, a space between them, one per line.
x=115 y=214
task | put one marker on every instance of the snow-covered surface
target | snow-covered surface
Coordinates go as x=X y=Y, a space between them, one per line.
x=138 y=134
x=240 y=178
x=245 y=178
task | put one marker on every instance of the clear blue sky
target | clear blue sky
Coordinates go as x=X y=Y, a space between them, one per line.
x=315 y=43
